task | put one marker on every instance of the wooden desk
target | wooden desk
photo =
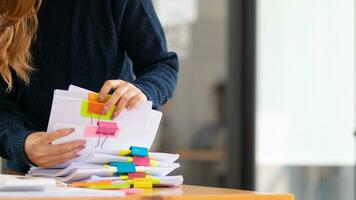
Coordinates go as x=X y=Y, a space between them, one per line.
x=188 y=192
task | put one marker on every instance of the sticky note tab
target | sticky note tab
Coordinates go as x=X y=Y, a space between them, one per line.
x=132 y=191
x=124 y=152
x=123 y=168
x=124 y=177
x=95 y=97
x=114 y=164
x=130 y=181
x=156 y=181
x=90 y=131
x=86 y=184
x=139 y=151
x=141 y=161
x=84 y=112
x=142 y=183
x=110 y=187
x=136 y=175
x=95 y=107
x=153 y=163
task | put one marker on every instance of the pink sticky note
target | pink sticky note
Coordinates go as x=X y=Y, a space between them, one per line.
x=92 y=131
x=133 y=175
x=141 y=161
x=131 y=191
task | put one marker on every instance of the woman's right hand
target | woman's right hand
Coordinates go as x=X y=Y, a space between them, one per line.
x=41 y=151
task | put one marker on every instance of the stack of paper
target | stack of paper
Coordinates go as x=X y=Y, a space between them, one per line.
x=122 y=167
x=31 y=187
x=111 y=144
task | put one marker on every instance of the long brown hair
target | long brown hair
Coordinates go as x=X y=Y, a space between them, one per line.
x=18 y=25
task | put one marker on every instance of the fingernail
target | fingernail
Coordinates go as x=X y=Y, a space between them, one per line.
x=105 y=110
x=101 y=98
x=79 y=150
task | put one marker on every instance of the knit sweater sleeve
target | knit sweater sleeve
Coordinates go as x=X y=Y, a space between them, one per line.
x=13 y=131
x=143 y=39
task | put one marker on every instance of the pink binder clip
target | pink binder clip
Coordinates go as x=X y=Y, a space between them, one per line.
x=107 y=128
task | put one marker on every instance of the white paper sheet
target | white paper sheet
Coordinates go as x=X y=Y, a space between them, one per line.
x=128 y=136
x=146 y=105
x=22 y=183
x=138 y=126
x=164 y=180
x=58 y=192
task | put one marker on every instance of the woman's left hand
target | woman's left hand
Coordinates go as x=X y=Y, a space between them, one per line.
x=125 y=95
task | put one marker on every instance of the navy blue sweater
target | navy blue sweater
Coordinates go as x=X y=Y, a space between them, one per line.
x=85 y=43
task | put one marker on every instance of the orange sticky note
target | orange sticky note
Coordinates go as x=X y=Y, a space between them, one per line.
x=95 y=107
x=95 y=97
x=90 y=183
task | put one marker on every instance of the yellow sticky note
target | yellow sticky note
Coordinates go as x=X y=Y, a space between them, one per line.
x=143 y=184
x=124 y=152
x=153 y=163
x=110 y=187
x=156 y=181
x=124 y=177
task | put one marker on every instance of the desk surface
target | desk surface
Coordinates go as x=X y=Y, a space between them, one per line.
x=187 y=192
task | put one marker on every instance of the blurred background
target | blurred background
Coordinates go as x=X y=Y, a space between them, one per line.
x=290 y=67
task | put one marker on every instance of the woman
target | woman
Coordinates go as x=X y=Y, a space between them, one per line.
x=81 y=42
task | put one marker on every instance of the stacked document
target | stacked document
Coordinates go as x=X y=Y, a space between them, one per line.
x=117 y=150
x=33 y=187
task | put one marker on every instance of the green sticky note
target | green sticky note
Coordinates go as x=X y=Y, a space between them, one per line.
x=84 y=112
x=110 y=187
x=156 y=181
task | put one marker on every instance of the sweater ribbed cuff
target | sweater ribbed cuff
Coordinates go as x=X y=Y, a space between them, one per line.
x=16 y=143
x=147 y=90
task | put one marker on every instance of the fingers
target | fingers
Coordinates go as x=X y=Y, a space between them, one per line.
x=126 y=95
x=67 y=156
x=135 y=101
x=58 y=149
x=51 y=161
x=108 y=85
x=41 y=152
x=58 y=134
x=121 y=105
x=115 y=97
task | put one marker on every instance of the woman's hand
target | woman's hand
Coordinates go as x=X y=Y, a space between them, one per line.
x=125 y=95
x=41 y=151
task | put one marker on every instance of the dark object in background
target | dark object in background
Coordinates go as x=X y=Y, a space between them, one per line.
x=213 y=135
